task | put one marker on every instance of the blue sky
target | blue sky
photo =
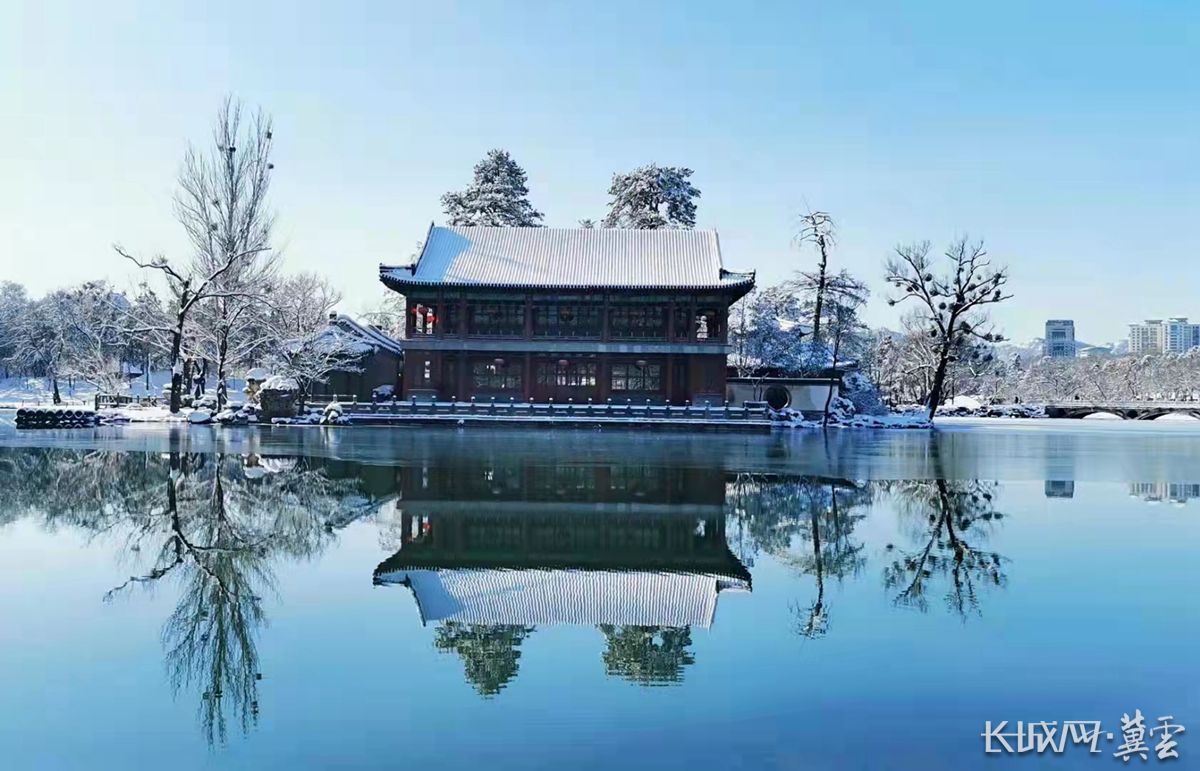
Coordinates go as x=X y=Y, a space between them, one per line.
x=1066 y=134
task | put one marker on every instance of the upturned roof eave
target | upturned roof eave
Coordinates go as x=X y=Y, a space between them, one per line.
x=396 y=282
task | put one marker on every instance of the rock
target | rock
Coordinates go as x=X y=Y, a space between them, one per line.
x=200 y=417
x=277 y=403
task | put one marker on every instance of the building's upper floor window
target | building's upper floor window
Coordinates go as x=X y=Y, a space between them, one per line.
x=450 y=316
x=422 y=319
x=708 y=324
x=500 y=319
x=568 y=320
x=638 y=322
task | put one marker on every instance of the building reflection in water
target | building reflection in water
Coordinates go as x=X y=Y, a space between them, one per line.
x=1178 y=493
x=491 y=552
x=1060 y=488
x=1165 y=492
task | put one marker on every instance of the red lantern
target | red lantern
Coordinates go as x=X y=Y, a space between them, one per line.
x=563 y=363
x=640 y=362
x=499 y=362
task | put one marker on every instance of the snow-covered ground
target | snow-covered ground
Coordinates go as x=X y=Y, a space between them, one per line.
x=36 y=391
x=891 y=420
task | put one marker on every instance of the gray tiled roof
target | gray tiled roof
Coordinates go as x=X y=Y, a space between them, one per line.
x=584 y=597
x=366 y=333
x=568 y=258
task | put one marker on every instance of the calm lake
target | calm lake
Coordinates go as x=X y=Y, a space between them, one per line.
x=394 y=598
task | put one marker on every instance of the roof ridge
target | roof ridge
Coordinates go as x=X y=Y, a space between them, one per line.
x=578 y=258
x=546 y=228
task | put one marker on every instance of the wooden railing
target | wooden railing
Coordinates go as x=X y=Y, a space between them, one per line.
x=559 y=410
x=121 y=400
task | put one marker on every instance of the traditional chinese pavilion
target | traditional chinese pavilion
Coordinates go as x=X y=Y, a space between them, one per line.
x=540 y=314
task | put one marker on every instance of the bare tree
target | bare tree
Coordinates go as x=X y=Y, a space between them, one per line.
x=951 y=304
x=388 y=314
x=146 y=330
x=221 y=204
x=818 y=301
x=843 y=322
x=41 y=341
x=816 y=228
x=312 y=358
x=94 y=335
x=302 y=304
x=187 y=289
x=14 y=304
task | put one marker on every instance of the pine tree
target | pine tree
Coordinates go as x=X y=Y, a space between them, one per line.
x=652 y=197
x=497 y=196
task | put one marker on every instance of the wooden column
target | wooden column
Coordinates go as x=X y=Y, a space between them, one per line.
x=669 y=380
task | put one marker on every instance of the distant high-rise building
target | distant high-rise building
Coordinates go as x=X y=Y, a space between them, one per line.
x=1182 y=336
x=1059 y=342
x=1146 y=337
x=1173 y=335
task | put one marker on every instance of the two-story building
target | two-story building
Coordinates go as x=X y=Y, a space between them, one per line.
x=540 y=314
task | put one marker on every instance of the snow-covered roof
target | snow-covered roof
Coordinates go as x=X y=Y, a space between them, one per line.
x=585 y=597
x=568 y=258
x=366 y=333
x=788 y=325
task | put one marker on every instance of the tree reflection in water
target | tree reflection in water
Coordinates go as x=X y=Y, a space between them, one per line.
x=808 y=524
x=212 y=524
x=947 y=520
x=647 y=655
x=489 y=651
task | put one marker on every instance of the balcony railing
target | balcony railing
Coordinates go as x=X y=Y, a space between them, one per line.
x=570 y=410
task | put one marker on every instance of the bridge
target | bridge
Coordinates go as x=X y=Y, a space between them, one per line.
x=1127 y=410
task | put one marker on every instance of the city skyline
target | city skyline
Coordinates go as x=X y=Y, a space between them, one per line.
x=1051 y=140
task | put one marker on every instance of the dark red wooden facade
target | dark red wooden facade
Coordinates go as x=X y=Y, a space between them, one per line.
x=621 y=347
x=662 y=344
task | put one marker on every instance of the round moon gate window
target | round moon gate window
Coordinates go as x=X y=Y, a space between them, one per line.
x=777 y=396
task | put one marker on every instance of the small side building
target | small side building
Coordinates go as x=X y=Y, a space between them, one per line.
x=559 y=314
x=382 y=362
